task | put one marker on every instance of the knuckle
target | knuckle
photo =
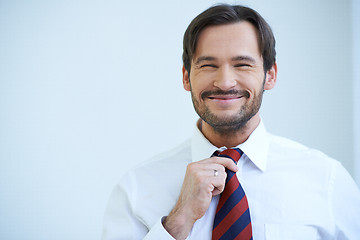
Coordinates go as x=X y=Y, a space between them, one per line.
x=191 y=167
x=225 y=176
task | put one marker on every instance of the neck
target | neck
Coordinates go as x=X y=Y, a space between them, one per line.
x=232 y=138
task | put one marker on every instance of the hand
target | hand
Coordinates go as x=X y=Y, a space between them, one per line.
x=198 y=188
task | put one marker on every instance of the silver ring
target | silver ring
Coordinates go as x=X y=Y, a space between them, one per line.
x=216 y=173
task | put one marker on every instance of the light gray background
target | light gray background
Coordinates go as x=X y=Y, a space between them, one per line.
x=84 y=84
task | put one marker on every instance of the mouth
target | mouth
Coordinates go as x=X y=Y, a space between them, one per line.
x=224 y=98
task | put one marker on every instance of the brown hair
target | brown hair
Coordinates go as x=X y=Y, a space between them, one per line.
x=227 y=14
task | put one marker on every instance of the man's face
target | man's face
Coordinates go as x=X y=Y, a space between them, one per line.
x=227 y=78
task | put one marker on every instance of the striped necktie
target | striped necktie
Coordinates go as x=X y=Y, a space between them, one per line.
x=232 y=218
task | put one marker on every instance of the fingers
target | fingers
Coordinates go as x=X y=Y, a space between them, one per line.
x=223 y=161
x=200 y=185
x=216 y=173
x=218 y=182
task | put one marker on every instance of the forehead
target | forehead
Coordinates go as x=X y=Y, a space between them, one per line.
x=228 y=41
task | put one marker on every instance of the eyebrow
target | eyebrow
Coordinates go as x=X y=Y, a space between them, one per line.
x=204 y=58
x=244 y=58
x=234 y=59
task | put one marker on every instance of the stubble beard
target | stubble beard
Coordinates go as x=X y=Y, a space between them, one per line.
x=229 y=124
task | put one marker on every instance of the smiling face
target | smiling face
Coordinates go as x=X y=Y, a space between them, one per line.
x=227 y=77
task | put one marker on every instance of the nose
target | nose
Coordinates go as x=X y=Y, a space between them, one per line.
x=225 y=79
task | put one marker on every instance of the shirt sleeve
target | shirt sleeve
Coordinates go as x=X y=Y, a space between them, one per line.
x=345 y=204
x=158 y=232
x=120 y=221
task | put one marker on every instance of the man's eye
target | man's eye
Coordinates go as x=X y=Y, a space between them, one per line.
x=242 y=65
x=208 y=66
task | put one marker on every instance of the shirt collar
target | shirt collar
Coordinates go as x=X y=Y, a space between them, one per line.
x=255 y=148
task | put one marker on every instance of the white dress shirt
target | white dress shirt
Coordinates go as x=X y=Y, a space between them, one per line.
x=293 y=192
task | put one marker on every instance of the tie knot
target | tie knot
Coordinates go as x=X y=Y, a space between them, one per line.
x=233 y=153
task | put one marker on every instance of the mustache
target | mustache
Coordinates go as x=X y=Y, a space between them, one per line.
x=220 y=92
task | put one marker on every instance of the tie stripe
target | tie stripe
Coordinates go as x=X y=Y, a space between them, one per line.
x=232 y=218
x=229 y=220
x=233 y=186
x=246 y=232
x=230 y=153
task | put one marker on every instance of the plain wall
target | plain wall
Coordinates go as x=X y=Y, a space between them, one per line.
x=85 y=84
x=356 y=85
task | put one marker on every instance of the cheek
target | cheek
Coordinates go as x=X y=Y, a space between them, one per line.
x=196 y=91
x=198 y=86
x=254 y=82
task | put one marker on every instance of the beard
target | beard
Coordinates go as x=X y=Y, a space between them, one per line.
x=235 y=122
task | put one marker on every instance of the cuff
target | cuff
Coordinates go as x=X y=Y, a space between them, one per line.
x=158 y=232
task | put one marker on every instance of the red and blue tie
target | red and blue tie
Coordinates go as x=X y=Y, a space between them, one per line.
x=232 y=218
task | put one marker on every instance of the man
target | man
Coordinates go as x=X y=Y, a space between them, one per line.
x=293 y=192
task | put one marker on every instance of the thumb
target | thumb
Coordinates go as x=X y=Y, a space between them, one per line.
x=228 y=163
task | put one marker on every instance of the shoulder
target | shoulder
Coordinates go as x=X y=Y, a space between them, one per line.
x=156 y=182
x=290 y=150
x=285 y=142
x=314 y=168
x=287 y=145
x=180 y=153
x=157 y=168
x=160 y=165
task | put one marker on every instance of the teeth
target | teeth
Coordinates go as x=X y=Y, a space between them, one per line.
x=221 y=98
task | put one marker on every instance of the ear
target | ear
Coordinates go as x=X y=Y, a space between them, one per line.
x=271 y=76
x=186 y=79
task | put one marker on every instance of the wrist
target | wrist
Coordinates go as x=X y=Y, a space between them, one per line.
x=178 y=225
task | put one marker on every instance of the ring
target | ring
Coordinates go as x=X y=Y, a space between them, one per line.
x=216 y=173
